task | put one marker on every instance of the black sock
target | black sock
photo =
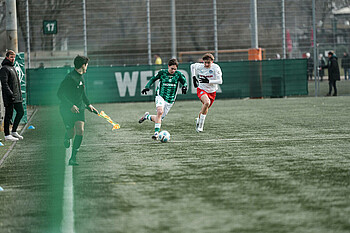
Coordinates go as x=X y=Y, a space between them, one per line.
x=76 y=145
x=77 y=142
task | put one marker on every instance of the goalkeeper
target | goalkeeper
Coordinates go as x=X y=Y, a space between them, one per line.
x=165 y=93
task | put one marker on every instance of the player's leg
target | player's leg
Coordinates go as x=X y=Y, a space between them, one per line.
x=159 y=102
x=68 y=121
x=206 y=102
x=19 y=114
x=70 y=132
x=167 y=107
x=79 y=130
x=158 y=121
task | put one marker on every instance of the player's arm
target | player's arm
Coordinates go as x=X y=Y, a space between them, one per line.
x=194 y=74
x=88 y=104
x=183 y=81
x=217 y=77
x=150 y=82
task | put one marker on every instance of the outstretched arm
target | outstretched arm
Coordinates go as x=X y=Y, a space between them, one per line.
x=149 y=84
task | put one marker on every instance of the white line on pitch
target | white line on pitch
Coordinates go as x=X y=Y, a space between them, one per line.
x=67 y=224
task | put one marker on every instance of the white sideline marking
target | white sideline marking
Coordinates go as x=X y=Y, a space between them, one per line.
x=67 y=224
x=14 y=143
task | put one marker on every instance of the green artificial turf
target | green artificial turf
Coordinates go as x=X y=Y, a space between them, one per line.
x=261 y=165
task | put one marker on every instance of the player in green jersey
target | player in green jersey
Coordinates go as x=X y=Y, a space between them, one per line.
x=165 y=94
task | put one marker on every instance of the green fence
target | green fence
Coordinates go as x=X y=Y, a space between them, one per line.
x=270 y=78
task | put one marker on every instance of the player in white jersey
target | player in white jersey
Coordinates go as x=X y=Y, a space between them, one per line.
x=206 y=78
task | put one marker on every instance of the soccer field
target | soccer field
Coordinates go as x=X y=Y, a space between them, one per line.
x=261 y=165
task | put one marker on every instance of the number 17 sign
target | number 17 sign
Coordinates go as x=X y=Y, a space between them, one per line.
x=50 y=26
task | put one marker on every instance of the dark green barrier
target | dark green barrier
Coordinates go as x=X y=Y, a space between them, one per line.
x=270 y=78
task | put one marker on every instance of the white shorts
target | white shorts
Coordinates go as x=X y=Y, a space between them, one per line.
x=160 y=102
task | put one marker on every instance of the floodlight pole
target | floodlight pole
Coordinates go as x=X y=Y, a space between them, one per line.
x=215 y=31
x=11 y=25
x=254 y=24
x=284 y=30
x=149 y=33
x=173 y=29
x=315 y=46
x=85 y=33
x=28 y=33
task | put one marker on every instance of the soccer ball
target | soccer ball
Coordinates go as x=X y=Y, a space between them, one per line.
x=164 y=136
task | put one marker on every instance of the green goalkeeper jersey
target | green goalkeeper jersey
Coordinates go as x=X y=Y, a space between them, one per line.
x=168 y=84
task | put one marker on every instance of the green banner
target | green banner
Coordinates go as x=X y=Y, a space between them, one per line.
x=21 y=71
x=270 y=78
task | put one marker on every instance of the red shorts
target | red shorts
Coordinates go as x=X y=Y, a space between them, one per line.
x=211 y=96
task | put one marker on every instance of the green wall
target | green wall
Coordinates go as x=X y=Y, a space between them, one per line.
x=269 y=78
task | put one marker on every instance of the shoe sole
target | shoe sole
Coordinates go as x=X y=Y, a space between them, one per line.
x=155 y=137
x=199 y=131
x=12 y=140
x=143 y=118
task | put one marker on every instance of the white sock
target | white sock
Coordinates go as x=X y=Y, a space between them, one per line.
x=157 y=127
x=201 y=120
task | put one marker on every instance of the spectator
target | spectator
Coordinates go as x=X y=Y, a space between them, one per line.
x=12 y=96
x=310 y=66
x=321 y=63
x=333 y=72
x=345 y=64
x=41 y=65
x=158 y=60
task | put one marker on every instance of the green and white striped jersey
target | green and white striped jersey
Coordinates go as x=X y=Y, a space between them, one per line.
x=168 y=84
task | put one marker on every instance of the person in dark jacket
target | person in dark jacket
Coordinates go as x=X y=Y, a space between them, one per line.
x=12 y=96
x=321 y=63
x=333 y=73
x=73 y=103
x=345 y=64
x=310 y=66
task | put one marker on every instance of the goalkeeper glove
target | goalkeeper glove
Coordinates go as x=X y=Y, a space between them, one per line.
x=204 y=80
x=144 y=91
x=184 y=90
x=195 y=81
